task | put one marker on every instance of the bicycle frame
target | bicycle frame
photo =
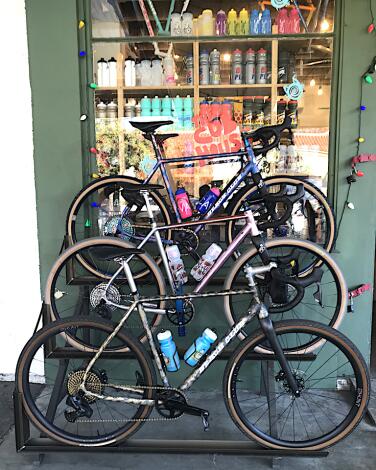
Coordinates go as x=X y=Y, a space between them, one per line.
x=250 y=167
x=256 y=308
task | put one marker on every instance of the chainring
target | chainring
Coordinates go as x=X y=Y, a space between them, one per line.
x=185 y=317
x=164 y=403
x=186 y=239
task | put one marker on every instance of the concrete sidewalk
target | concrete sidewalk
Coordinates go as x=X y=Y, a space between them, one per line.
x=357 y=451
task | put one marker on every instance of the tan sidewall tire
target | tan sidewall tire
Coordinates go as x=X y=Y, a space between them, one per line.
x=93 y=242
x=21 y=362
x=279 y=327
x=293 y=242
x=96 y=185
x=286 y=179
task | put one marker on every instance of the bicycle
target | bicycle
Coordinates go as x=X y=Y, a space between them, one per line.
x=293 y=201
x=90 y=397
x=296 y=290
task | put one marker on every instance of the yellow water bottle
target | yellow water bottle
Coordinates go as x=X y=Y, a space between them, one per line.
x=232 y=22
x=243 y=23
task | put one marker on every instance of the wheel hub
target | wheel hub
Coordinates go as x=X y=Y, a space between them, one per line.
x=283 y=383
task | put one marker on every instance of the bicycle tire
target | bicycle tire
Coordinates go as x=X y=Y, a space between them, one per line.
x=100 y=184
x=330 y=336
x=34 y=414
x=237 y=200
x=69 y=253
x=341 y=309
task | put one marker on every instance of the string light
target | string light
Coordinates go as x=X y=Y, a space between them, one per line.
x=93 y=86
x=82 y=53
x=368 y=79
x=363 y=108
x=325 y=25
x=361 y=140
x=312 y=82
x=83 y=117
x=93 y=150
x=81 y=24
x=371 y=28
x=226 y=57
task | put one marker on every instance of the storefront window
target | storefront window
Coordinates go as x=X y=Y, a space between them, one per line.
x=235 y=58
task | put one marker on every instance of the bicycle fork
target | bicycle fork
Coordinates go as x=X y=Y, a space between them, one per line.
x=269 y=331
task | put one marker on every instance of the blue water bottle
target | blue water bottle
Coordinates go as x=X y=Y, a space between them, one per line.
x=266 y=22
x=208 y=200
x=254 y=23
x=200 y=346
x=169 y=351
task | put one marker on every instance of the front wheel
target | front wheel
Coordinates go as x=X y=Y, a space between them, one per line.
x=311 y=218
x=334 y=389
x=49 y=382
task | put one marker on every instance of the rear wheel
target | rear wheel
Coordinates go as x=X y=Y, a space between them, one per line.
x=73 y=290
x=333 y=382
x=49 y=383
x=102 y=208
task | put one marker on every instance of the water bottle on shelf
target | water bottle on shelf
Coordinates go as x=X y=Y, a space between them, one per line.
x=176 y=24
x=254 y=23
x=169 y=70
x=200 y=347
x=236 y=67
x=204 y=68
x=187 y=24
x=250 y=67
x=220 y=23
x=243 y=23
x=183 y=202
x=261 y=68
x=283 y=21
x=156 y=72
x=176 y=264
x=189 y=69
x=130 y=72
x=206 y=262
x=232 y=22
x=215 y=68
x=169 y=351
x=294 y=27
x=145 y=106
x=188 y=112
x=208 y=200
x=156 y=106
x=178 y=111
x=112 y=72
x=266 y=22
x=166 y=106
x=101 y=70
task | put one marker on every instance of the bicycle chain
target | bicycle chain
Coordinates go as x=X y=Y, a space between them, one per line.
x=134 y=420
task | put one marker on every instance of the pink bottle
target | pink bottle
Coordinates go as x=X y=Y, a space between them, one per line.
x=294 y=21
x=184 y=205
x=283 y=21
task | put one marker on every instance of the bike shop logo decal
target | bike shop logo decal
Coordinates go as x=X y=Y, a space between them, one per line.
x=216 y=131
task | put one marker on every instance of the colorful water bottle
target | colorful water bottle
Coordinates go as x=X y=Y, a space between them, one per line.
x=215 y=67
x=200 y=347
x=156 y=106
x=221 y=23
x=176 y=264
x=206 y=262
x=183 y=202
x=169 y=351
x=145 y=106
x=243 y=23
x=178 y=111
x=261 y=67
x=266 y=22
x=236 y=67
x=166 y=106
x=250 y=67
x=189 y=69
x=294 y=21
x=232 y=22
x=208 y=200
x=283 y=21
x=254 y=24
x=188 y=112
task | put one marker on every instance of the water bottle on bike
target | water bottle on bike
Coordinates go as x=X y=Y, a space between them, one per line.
x=184 y=205
x=208 y=200
x=206 y=262
x=176 y=265
x=169 y=351
x=200 y=347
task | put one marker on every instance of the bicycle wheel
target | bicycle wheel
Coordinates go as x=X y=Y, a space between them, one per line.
x=260 y=403
x=72 y=290
x=311 y=219
x=324 y=300
x=48 y=381
x=102 y=208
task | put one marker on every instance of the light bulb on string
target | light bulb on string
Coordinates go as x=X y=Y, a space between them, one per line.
x=226 y=57
x=324 y=25
x=371 y=28
x=312 y=83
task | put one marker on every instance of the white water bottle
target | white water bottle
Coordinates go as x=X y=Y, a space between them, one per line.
x=176 y=264
x=206 y=262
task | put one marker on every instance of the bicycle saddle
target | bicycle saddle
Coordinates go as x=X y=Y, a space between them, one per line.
x=150 y=126
x=140 y=187
x=108 y=253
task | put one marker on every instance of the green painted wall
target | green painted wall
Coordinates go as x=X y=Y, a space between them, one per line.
x=356 y=241
x=52 y=30
x=52 y=36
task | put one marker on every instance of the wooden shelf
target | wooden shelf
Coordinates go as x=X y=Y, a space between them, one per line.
x=146 y=88
x=234 y=87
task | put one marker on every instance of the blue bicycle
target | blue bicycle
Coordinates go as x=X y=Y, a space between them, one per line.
x=282 y=205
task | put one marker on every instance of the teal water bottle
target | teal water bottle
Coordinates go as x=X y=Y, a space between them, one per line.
x=145 y=106
x=156 y=106
x=169 y=351
x=200 y=347
x=188 y=113
x=178 y=111
x=166 y=106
